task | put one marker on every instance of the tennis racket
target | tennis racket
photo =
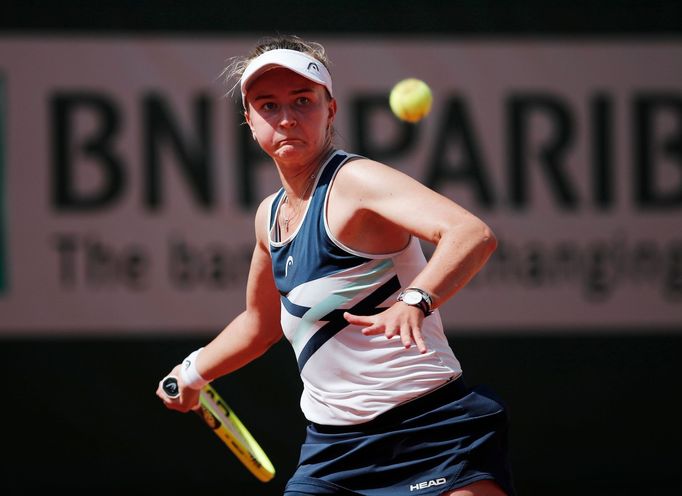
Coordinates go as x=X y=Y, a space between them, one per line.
x=227 y=426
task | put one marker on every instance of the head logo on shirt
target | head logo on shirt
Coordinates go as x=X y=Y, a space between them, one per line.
x=290 y=261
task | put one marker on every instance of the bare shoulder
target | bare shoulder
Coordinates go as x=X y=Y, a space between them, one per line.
x=363 y=169
x=361 y=198
x=262 y=217
x=378 y=194
x=371 y=179
x=365 y=177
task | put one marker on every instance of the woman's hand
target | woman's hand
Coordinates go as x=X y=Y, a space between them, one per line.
x=187 y=400
x=400 y=318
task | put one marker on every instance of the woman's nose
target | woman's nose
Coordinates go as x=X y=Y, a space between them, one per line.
x=287 y=118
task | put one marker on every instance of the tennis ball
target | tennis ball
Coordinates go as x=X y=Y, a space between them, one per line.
x=411 y=99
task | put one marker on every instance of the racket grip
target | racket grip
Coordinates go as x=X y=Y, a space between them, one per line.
x=170 y=386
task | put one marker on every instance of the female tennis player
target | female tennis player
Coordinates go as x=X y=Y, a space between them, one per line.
x=338 y=269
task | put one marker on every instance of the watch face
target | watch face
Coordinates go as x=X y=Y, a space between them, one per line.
x=412 y=297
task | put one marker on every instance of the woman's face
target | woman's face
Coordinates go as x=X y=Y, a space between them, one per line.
x=290 y=116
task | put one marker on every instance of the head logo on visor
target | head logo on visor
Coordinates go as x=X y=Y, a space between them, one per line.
x=298 y=62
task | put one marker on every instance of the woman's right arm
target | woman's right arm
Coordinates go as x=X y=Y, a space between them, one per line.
x=250 y=334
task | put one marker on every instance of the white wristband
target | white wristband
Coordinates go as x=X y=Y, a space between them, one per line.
x=189 y=373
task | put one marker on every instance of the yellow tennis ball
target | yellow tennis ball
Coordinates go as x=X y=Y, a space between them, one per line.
x=411 y=100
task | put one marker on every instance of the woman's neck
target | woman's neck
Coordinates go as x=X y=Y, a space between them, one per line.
x=297 y=182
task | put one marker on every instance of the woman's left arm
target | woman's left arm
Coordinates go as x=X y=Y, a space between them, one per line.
x=371 y=191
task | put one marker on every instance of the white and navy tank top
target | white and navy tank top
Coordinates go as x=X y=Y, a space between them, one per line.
x=349 y=378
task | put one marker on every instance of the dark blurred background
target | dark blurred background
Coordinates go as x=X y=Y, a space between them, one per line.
x=592 y=412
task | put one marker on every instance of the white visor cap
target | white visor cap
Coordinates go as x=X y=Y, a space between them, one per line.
x=295 y=61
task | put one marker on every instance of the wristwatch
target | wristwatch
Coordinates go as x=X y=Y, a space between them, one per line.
x=417 y=298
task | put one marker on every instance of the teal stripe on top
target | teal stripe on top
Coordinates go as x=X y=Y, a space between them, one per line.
x=339 y=298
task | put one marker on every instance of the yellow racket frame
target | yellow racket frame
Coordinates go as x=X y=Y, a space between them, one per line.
x=227 y=426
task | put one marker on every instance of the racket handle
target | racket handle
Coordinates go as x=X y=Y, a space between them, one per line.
x=170 y=386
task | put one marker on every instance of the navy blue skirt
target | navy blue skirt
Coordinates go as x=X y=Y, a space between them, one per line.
x=447 y=439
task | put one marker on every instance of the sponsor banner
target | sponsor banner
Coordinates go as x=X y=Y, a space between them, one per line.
x=128 y=182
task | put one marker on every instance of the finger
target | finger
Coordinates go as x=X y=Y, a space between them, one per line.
x=419 y=340
x=177 y=405
x=170 y=403
x=362 y=320
x=161 y=393
x=373 y=330
x=406 y=336
x=391 y=332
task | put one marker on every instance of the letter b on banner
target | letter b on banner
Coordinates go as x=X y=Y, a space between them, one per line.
x=96 y=145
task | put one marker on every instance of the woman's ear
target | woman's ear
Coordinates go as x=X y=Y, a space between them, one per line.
x=248 y=123
x=332 y=111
